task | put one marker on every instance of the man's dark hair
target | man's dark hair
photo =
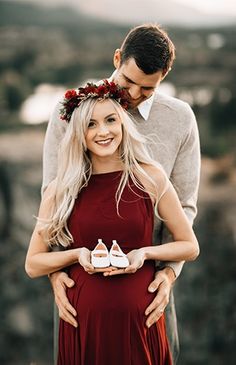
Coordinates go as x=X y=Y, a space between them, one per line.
x=150 y=47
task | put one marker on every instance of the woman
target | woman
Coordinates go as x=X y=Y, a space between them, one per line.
x=108 y=188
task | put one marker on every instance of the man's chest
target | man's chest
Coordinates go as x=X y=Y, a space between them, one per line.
x=163 y=140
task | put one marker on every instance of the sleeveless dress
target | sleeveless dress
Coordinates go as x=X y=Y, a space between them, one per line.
x=110 y=310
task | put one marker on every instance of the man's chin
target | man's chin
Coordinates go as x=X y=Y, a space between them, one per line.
x=135 y=104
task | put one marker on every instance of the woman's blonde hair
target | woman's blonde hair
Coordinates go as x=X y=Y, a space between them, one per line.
x=75 y=169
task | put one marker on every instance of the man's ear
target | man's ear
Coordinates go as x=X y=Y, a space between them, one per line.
x=117 y=58
x=165 y=73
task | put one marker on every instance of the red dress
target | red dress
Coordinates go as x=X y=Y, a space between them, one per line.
x=110 y=310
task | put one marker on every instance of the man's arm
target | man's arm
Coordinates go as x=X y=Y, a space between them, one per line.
x=54 y=134
x=185 y=177
x=60 y=281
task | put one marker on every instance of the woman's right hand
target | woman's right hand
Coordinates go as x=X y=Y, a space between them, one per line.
x=85 y=261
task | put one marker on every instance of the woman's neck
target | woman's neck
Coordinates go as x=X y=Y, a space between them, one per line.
x=100 y=167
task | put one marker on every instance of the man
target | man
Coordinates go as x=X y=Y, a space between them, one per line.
x=142 y=62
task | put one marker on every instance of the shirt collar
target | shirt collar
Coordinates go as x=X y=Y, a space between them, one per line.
x=145 y=107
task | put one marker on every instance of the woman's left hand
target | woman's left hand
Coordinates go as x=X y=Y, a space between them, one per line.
x=136 y=260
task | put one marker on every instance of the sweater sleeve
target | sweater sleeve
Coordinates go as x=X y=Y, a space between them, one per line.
x=54 y=134
x=185 y=177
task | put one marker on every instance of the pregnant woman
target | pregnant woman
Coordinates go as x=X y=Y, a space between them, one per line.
x=107 y=188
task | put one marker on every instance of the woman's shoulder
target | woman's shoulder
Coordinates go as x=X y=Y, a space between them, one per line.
x=49 y=194
x=47 y=200
x=155 y=172
x=154 y=180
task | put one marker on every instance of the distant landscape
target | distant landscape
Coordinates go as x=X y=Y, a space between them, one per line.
x=62 y=48
x=59 y=46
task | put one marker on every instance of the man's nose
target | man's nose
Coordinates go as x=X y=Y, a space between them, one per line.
x=134 y=92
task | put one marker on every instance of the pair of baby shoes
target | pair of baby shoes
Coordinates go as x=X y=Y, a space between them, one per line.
x=101 y=258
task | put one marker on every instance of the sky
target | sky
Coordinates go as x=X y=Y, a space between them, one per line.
x=226 y=7
x=212 y=6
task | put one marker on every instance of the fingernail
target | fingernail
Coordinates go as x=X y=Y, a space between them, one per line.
x=152 y=289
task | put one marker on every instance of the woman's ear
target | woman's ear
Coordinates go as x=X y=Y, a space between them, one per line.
x=117 y=58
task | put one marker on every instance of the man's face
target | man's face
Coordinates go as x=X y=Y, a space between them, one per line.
x=139 y=85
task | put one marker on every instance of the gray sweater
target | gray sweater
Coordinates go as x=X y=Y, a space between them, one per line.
x=173 y=139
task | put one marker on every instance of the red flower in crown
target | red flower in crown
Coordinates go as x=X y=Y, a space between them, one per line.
x=102 y=90
x=70 y=94
x=73 y=98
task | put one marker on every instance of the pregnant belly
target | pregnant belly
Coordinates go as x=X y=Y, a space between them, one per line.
x=126 y=293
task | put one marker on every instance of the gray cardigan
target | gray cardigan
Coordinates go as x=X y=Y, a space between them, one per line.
x=173 y=138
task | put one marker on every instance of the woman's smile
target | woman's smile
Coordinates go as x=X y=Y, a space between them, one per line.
x=105 y=142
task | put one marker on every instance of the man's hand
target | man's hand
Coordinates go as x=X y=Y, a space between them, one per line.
x=162 y=285
x=60 y=282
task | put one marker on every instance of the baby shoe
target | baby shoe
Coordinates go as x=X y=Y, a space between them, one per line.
x=100 y=256
x=117 y=257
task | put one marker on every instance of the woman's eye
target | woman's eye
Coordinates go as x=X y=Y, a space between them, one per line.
x=110 y=120
x=91 y=124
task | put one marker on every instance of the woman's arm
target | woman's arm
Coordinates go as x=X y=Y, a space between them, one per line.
x=185 y=245
x=39 y=261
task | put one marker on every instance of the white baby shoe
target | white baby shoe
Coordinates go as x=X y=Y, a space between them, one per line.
x=100 y=255
x=117 y=257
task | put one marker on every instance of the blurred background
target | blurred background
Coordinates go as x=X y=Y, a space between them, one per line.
x=48 y=46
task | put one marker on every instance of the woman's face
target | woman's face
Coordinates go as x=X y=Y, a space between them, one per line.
x=104 y=132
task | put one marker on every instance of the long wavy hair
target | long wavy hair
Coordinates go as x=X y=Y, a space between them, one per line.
x=75 y=169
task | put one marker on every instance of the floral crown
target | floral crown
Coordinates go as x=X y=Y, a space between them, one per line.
x=73 y=98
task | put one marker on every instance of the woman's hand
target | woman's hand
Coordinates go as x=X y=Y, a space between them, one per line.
x=85 y=261
x=136 y=260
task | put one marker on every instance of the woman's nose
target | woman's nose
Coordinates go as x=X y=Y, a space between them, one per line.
x=103 y=130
